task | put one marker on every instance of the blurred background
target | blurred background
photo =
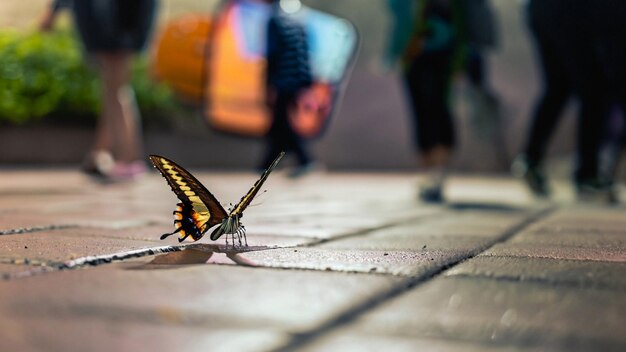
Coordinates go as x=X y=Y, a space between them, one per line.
x=370 y=130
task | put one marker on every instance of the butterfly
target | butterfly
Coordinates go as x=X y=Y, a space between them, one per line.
x=198 y=209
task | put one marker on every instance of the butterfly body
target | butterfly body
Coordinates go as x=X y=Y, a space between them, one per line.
x=199 y=210
x=230 y=225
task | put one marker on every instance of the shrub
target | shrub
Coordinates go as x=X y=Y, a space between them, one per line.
x=43 y=77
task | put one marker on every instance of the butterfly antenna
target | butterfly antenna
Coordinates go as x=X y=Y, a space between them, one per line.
x=257 y=198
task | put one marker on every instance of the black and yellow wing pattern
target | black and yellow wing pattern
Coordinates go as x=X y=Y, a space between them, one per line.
x=232 y=225
x=199 y=210
x=247 y=199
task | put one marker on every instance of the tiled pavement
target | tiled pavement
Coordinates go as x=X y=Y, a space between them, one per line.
x=336 y=262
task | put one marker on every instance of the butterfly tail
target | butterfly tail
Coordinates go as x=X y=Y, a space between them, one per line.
x=166 y=235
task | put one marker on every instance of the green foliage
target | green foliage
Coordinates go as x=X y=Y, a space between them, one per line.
x=43 y=76
x=38 y=73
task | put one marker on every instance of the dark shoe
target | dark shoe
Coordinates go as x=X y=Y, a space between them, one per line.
x=533 y=176
x=303 y=170
x=596 y=190
x=431 y=194
x=119 y=172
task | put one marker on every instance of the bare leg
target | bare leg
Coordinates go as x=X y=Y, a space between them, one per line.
x=119 y=128
x=437 y=158
x=117 y=150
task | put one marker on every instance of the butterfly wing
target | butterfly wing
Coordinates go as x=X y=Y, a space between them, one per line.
x=245 y=200
x=199 y=205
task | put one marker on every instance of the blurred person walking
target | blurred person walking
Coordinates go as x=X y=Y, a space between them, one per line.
x=288 y=76
x=572 y=39
x=478 y=34
x=611 y=44
x=422 y=43
x=112 y=31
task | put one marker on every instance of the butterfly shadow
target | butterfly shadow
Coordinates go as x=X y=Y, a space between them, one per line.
x=195 y=254
x=486 y=206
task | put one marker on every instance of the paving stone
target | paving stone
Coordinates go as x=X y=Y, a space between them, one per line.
x=553 y=238
x=7 y=270
x=29 y=180
x=460 y=231
x=111 y=220
x=347 y=341
x=59 y=246
x=586 y=239
x=555 y=285
x=234 y=296
x=326 y=226
x=578 y=273
x=584 y=218
x=588 y=216
x=502 y=313
x=150 y=233
x=532 y=250
x=571 y=234
x=92 y=333
x=404 y=263
x=316 y=232
x=25 y=203
x=408 y=242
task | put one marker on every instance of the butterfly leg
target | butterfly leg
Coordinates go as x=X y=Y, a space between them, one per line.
x=239 y=236
x=243 y=231
x=232 y=236
x=240 y=233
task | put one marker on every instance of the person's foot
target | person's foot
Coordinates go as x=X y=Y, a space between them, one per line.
x=118 y=171
x=303 y=170
x=126 y=171
x=98 y=163
x=533 y=176
x=596 y=190
x=431 y=193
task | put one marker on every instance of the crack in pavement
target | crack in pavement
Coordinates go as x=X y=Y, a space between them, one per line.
x=51 y=266
x=22 y=230
x=572 y=283
x=299 y=340
x=365 y=231
x=89 y=260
